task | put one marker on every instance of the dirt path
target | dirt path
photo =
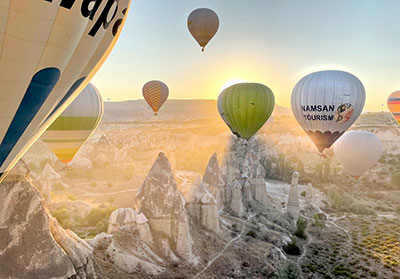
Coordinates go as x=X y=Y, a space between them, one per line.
x=88 y=194
x=227 y=245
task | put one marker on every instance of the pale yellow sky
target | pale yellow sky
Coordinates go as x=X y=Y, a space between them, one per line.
x=272 y=42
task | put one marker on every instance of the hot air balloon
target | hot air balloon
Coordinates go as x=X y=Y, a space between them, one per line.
x=358 y=151
x=50 y=51
x=394 y=105
x=326 y=104
x=155 y=93
x=221 y=113
x=245 y=107
x=75 y=125
x=203 y=24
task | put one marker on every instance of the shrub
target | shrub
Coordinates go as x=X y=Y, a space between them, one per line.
x=58 y=187
x=292 y=248
x=341 y=271
x=62 y=217
x=304 y=194
x=253 y=234
x=301 y=228
x=97 y=215
x=72 y=197
x=290 y=271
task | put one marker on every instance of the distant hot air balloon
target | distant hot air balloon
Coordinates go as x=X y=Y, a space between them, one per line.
x=326 y=104
x=75 y=125
x=245 y=107
x=358 y=151
x=49 y=52
x=203 y=24
x=155 y=93
x=394 y=105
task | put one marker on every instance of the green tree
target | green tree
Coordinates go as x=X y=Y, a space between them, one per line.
x=318 y=222
x=62 y=217
x=301 y=228
x=97 y=215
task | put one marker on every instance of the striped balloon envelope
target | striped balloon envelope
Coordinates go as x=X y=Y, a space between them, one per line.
x=155 y=93
x=394 y=105
x=50 y=50
x=75 y=125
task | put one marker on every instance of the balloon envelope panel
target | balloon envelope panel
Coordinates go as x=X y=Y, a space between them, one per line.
x=75 y=125
x=49 y=52
x=326 y=104
x=358 y=151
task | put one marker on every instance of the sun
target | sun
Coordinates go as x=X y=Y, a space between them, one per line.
x=231 y=82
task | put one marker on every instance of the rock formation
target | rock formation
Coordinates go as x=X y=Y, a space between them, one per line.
x=213 y=178
x=293 y=205
x=202 y=205
x=127 y=251
x=258 y=187
x=310 y=194
x=46 y=181
x=102 y=153
x=236 y=203
x=129 y=217
x=247 y=195
x=19 y=172
x=164 y=206
x=31 y=241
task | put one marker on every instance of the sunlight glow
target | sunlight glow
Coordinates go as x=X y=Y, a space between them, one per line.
x=231 y=82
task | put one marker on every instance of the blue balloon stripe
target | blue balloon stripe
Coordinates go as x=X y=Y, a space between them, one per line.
x=38 y=90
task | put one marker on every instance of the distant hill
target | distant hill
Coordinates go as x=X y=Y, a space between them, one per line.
x=138 y=110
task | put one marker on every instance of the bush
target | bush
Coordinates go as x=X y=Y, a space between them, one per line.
x=290 y=271
x=59 y=187
x=301 y=228
x=97 y=215
x=62 y=217
x=253 y=234
x=72 y=197
x=111 y=200
x=291 y=248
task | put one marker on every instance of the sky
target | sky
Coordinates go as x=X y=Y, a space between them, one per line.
x=274 y=42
